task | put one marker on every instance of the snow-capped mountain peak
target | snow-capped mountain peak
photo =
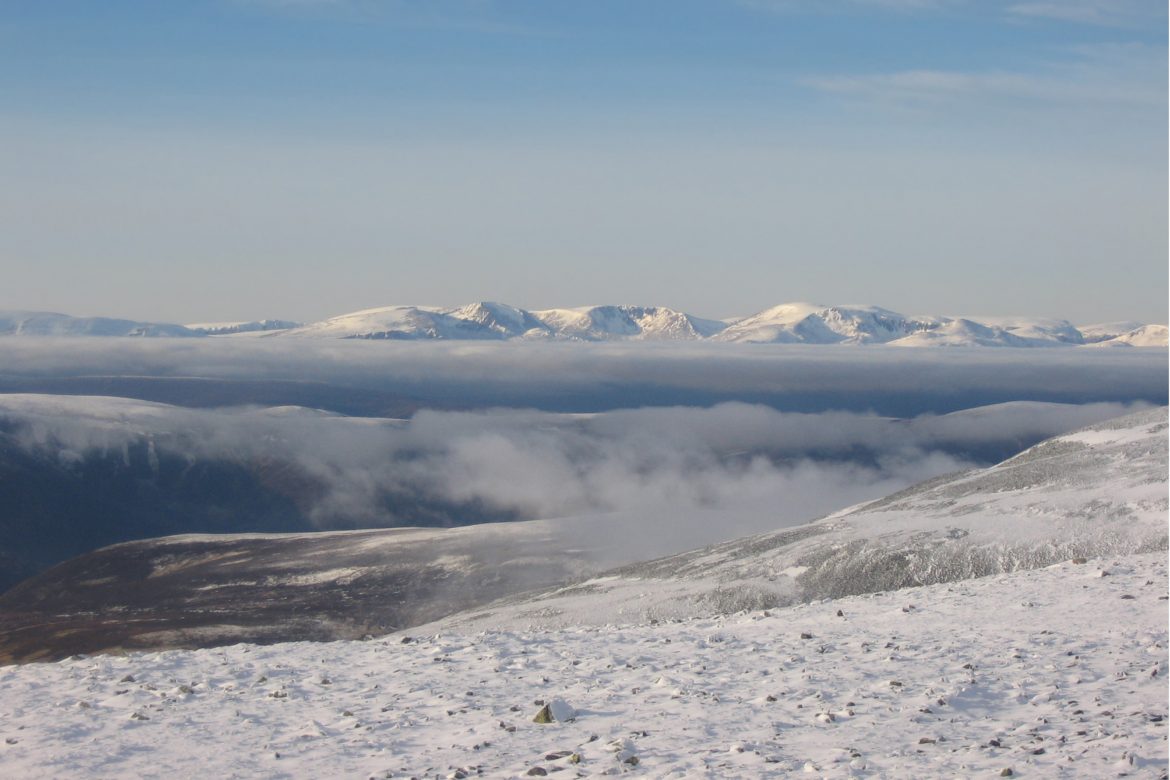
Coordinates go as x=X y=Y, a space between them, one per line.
x=602 y=323
x=787 y=323
x=805 y=323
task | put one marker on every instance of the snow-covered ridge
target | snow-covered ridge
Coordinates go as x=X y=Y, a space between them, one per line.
x=43 y=323
x=234 y=328
x=1101 y=490
x=789 y=323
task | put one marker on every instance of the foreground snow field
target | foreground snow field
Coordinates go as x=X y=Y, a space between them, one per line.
x=1056 y=672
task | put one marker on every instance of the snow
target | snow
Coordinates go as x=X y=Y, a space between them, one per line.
x=1032 y=637
x=1143 y=336
x=789 y=323
x=1103 y=331
x=812 y=323
x=241 y=328
x=600 y=323
x=1049 y=672
x=40 y=323
x=1098 y=491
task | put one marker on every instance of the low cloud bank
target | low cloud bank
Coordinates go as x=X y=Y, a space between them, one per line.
x=394 y=378
x=664 y=479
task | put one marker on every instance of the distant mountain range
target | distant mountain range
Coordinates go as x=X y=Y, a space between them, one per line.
x=789 y=323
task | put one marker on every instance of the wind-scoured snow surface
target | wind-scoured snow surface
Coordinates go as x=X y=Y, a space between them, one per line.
x=789 y=323
x=1059 y=672
x=1098 y=491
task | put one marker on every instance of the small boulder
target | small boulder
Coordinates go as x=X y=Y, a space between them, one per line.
x=555 y=711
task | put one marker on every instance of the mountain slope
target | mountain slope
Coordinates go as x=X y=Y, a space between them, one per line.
x=397 y=322
x=40 y=323
x=1049 y=673
x=235 y=328
x=789 y=323
x=1098 y=491
x=647 y=323
x=805 y=323
x=1143 y=336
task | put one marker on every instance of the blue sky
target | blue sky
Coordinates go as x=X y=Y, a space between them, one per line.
x=301 y=158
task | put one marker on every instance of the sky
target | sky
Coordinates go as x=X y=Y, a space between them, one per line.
x=238 y=159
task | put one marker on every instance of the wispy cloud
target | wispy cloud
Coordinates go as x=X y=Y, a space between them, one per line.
x=1110 y=74
x=820 y=6
x=1110 y=13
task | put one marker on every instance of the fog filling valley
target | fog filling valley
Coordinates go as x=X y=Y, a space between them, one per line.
x=679 y=477
x=635 y=450
x=392 y=379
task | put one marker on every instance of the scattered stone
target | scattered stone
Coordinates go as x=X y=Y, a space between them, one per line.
x=840 y=613
x=558 y=755
x=805 y=635
x=406 y=640
x=1080 y=561
x=1006 y=772
x=537 y=771
x=926 y=741
x=127 y=679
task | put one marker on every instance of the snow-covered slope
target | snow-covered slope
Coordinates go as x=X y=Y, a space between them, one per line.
x=398 y=322
x=806 y=323
x=602 y=323
x=995 y=332
x=1059 y=672
x=1099 y=491
x=41 y=323
x=1144 y=336
x=486 y=320
x=199 y=590
x=961 y=333
x=501 y=319
x=1103 y=331
x=789 y=323
x=235 y=328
